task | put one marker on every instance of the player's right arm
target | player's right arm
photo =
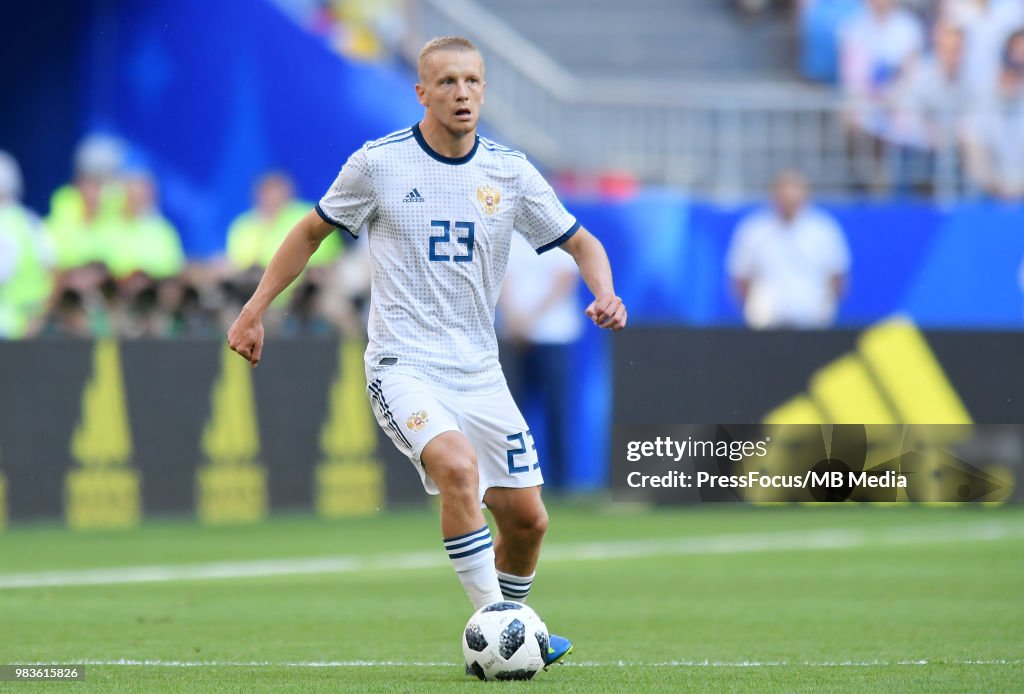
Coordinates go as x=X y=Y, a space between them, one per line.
x=347 y=204
x=290 y=259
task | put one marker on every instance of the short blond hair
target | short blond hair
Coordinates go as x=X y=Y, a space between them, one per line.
x=445 y=43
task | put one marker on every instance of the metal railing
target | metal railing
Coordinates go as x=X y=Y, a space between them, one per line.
x=725 y=141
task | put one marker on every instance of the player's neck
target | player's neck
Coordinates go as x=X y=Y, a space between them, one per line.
x=445 y=142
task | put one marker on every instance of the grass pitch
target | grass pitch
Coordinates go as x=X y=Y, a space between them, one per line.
x=722 y=598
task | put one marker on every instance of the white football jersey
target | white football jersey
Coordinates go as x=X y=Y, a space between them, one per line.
x=439 y=234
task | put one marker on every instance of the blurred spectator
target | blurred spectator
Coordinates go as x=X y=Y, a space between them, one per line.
x=359 y=29
x=994 y=134
x=255 y=234
x=146 y=243
x=935 y=93
x=789 y=264
x=927 y=11
x=986 y=24
x=820 y=21
x=78 y=209
x=348 y=286
x=541 y=318
x=145 y=257
x=253 y=238
x=367 y=29
x=877 y=46
x=25 y=282
x=78 y=225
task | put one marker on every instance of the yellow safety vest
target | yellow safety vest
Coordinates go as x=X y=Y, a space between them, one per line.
x=77 y=242
x=23 y=296
x=147 y=244
x=253 y=239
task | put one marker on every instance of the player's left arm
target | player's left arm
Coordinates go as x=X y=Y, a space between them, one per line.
x=607 y=309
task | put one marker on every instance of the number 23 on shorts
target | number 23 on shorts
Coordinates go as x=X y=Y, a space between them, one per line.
x=520 y=439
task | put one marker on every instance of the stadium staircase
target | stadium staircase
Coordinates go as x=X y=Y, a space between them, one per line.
x=654 y=39
x=685 y=94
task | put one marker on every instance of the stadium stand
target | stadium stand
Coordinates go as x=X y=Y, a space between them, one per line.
x=703 y=40
x=614 y=102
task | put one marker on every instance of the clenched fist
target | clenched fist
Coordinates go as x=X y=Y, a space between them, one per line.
x=246 y=337
x=607 y=311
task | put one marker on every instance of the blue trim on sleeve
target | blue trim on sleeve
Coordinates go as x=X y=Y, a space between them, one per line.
x=440 y=157
x=333 y=223
x=560 y=240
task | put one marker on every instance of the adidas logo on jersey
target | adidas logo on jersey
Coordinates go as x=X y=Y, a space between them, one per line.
x=413 y=196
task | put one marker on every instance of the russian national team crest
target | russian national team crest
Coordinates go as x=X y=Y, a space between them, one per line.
x=417 y=420
x=489 y=198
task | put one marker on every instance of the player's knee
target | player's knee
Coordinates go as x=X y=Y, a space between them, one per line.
x=457 y=475
x=539 y=527
x=450 y=461
x=531 y=528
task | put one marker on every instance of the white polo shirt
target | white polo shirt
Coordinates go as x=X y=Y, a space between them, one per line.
x=789 y=267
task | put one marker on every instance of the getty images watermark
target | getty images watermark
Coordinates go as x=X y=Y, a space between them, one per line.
x=823 y=477
x=792 y=463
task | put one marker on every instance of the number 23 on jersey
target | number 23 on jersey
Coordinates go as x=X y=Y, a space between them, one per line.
x=460 y=233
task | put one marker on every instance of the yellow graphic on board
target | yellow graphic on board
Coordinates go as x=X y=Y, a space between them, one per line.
x=231 y=485
x=102 y=490
x=350 y=479
x=892 y=378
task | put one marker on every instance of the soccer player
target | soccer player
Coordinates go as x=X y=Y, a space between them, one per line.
x=440 y=204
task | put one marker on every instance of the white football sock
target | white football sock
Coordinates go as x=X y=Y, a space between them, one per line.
x=472 y=556
x=515 y=587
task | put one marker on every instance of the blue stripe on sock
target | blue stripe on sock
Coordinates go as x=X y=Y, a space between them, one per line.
x=449 y=544
x=467 y=543
x=515 y=594
x=513 y=582
x=468 y=546
x=462 y=537
x=469 y=552
x=514 y=588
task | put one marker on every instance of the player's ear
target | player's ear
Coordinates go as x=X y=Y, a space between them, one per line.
x=421 y=95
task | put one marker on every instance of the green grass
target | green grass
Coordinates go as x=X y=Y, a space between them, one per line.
x=901 y=585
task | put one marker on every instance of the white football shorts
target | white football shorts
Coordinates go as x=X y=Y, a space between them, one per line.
x=412 y=412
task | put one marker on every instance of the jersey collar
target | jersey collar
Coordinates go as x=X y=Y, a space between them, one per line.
x=440 y=157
